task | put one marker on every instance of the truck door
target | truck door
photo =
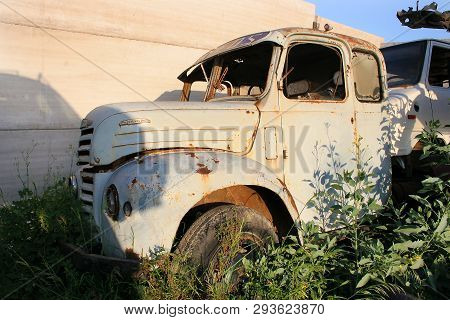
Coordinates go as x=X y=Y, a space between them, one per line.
x=372 y=119
x=317 y=119
x=437 y=83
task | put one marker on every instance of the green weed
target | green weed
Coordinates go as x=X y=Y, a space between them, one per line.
x=33 y=264
x=374 y=252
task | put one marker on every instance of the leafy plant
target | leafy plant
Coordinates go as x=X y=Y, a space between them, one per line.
x=434 y=147
x=374 y=252
x=33 y=264
x=294 y=271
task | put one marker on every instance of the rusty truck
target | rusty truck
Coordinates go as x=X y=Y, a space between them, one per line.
x=257 y=119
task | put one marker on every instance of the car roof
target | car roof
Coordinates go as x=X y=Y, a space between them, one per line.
x=393 y=44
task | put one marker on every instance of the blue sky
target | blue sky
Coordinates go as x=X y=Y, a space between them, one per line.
x=379 y=17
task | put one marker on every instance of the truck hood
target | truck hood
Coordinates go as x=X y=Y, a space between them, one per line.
x=115 y=131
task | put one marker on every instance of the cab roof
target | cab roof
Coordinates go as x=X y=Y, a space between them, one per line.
x=278 y=37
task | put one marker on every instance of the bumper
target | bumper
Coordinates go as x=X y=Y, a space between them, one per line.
x=94 y=262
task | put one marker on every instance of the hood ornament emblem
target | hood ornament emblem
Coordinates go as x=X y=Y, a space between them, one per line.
x=131 y=122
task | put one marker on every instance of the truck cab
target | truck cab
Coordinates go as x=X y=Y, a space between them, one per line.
x=262 y=122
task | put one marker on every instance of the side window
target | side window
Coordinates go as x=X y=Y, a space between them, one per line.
x=313 y=72
x=439 y=67
x=366 y=74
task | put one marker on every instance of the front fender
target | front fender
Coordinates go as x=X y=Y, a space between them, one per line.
x=163 y=187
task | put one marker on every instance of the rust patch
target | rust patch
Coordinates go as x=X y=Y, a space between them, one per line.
x=290 y=197
x=215 y=160
x=239 y=195
x=136 y=182
x=186 y=91
x=201 y=165
x=247 y=112
x=291 y=200
x=191 y=154
x=130 y=254
x=282 y=183
x=203 y=170
x=357 y=42
x=351 y=40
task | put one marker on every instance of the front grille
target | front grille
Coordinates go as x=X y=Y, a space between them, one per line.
x=87 y=191
x=84 y=146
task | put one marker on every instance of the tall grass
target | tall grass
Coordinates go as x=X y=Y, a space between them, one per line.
x=390 y=253
x=377 y=253
x=33 y=265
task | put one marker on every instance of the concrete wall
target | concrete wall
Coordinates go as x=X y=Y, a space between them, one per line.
x=60 y=59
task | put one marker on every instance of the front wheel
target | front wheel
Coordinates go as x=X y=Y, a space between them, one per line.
x=219 y=240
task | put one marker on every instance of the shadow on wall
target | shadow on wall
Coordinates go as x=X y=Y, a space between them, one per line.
x=38 y=134
x=44 y=106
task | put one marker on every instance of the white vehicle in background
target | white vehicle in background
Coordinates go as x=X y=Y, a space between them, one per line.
x=418 y=81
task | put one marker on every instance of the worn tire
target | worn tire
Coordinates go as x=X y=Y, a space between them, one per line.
x=201 y=241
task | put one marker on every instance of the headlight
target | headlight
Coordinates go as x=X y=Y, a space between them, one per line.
x=112 y=202
x=73 y=184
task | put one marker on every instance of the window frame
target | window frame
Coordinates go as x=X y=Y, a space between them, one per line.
x=430 y=56
x=343 y=65
x=380 y=75
x=274 y=60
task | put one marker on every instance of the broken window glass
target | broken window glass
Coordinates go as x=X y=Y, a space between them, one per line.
x=313 y=72
x=240 y=73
